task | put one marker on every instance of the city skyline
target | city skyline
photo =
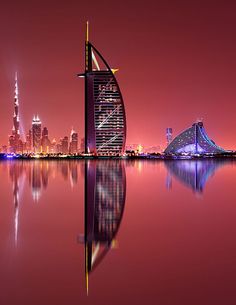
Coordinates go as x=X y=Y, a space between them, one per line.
x=189 y=62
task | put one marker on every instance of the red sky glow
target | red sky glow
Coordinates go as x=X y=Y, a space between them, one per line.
x=176 y=63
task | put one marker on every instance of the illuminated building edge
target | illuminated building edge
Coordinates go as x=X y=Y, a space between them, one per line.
x=193 y=140
x=105 y=119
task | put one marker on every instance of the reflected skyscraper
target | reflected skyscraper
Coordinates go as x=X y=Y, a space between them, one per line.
x=105 y=190
x=194 y=173
x=36 y=181
x=16 y=173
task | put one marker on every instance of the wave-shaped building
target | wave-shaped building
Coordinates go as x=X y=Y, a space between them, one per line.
x=105 y=120
x=193 y=140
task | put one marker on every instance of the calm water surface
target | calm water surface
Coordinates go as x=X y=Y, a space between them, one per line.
x=116 y=232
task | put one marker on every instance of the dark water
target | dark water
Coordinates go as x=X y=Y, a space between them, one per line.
x=116 y=232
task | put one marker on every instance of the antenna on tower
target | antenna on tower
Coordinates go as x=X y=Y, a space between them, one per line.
x=87 y=31
x=16 y=86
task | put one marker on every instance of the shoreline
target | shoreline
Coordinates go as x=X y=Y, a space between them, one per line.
x=159 y=157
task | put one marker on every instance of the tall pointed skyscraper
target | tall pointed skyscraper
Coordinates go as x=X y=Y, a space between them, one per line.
x=14 y=140
x=105 y=121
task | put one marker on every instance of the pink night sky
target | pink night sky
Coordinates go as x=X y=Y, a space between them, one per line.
x=176 y=63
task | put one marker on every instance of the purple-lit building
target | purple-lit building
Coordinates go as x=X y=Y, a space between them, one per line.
x=193 y=140
x=105 y=121
x=168 y=135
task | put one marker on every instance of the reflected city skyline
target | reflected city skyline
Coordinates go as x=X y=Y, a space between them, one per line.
x=38 y=174
x=104 y=189
x=82 y=232
x=104 y=182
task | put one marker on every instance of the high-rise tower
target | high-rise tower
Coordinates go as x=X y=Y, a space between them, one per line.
x=36 y=134
x=29 y=141
x=105 y=121
x=14 y=140
x=73 y=142
x=45 y=143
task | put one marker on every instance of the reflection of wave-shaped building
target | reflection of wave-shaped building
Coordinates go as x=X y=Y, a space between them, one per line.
x=193 y=173
x=105 y=188
x=105 y=122
x=193 y=140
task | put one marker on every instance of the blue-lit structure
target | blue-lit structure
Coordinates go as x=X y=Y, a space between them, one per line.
x=193 y=140
x=194 y=173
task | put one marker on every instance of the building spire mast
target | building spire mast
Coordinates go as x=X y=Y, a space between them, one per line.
x=87 y=31
x=16 y=119
x=88 y=51
x=16 y=88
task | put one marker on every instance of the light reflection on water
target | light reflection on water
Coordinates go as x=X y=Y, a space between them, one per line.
x=193 y=173
x=87 y=207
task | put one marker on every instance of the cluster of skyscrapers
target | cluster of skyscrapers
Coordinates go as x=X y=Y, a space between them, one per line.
x=37 y=139
x=105 y=121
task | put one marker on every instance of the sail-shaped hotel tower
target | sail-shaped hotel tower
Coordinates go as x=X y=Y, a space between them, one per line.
x=105 y=121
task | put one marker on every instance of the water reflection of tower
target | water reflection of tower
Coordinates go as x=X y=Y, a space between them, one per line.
x=64 y=169
x=36 y=182
x=73 y=166
x=105 y=189
x=45 y=172
x=39 y=178
x=16 y=171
